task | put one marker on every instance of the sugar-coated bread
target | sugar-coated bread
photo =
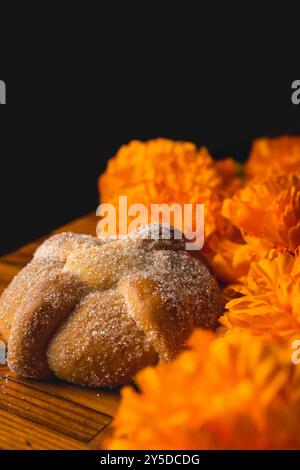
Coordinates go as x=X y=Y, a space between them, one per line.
x=94 y=311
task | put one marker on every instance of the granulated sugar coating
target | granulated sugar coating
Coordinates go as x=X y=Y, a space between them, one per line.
x=93 y=311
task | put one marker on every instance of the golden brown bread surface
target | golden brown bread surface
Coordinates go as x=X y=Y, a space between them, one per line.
x=94 y=311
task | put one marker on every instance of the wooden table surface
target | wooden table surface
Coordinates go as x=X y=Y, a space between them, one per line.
x=52 y=414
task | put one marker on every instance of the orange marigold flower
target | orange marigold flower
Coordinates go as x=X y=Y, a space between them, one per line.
x=266 y=215
x=269 y=305
x=231 y=259
x=139 y=162
x=268 y=210
x=274 y=156
x=235 y=392
x=164 y=171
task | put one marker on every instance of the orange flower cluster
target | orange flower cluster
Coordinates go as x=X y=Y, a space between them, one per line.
x=224 y=393
x=163 y=171
x=238 y=391
x=269 y=305
x=269 y=211
x=271 y=157
x=265 y=210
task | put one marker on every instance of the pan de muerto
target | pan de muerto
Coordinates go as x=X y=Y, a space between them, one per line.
x=94 y=311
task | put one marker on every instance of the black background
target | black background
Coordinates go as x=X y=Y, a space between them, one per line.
x=67 y=113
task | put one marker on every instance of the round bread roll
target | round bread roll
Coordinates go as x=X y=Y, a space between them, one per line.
x=94 y=311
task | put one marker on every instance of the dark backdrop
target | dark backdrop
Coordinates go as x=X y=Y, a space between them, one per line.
x=58 y=129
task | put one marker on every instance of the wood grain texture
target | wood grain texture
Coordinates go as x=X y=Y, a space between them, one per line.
x=51 y=415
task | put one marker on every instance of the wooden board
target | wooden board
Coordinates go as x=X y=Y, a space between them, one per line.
x=52 y=414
